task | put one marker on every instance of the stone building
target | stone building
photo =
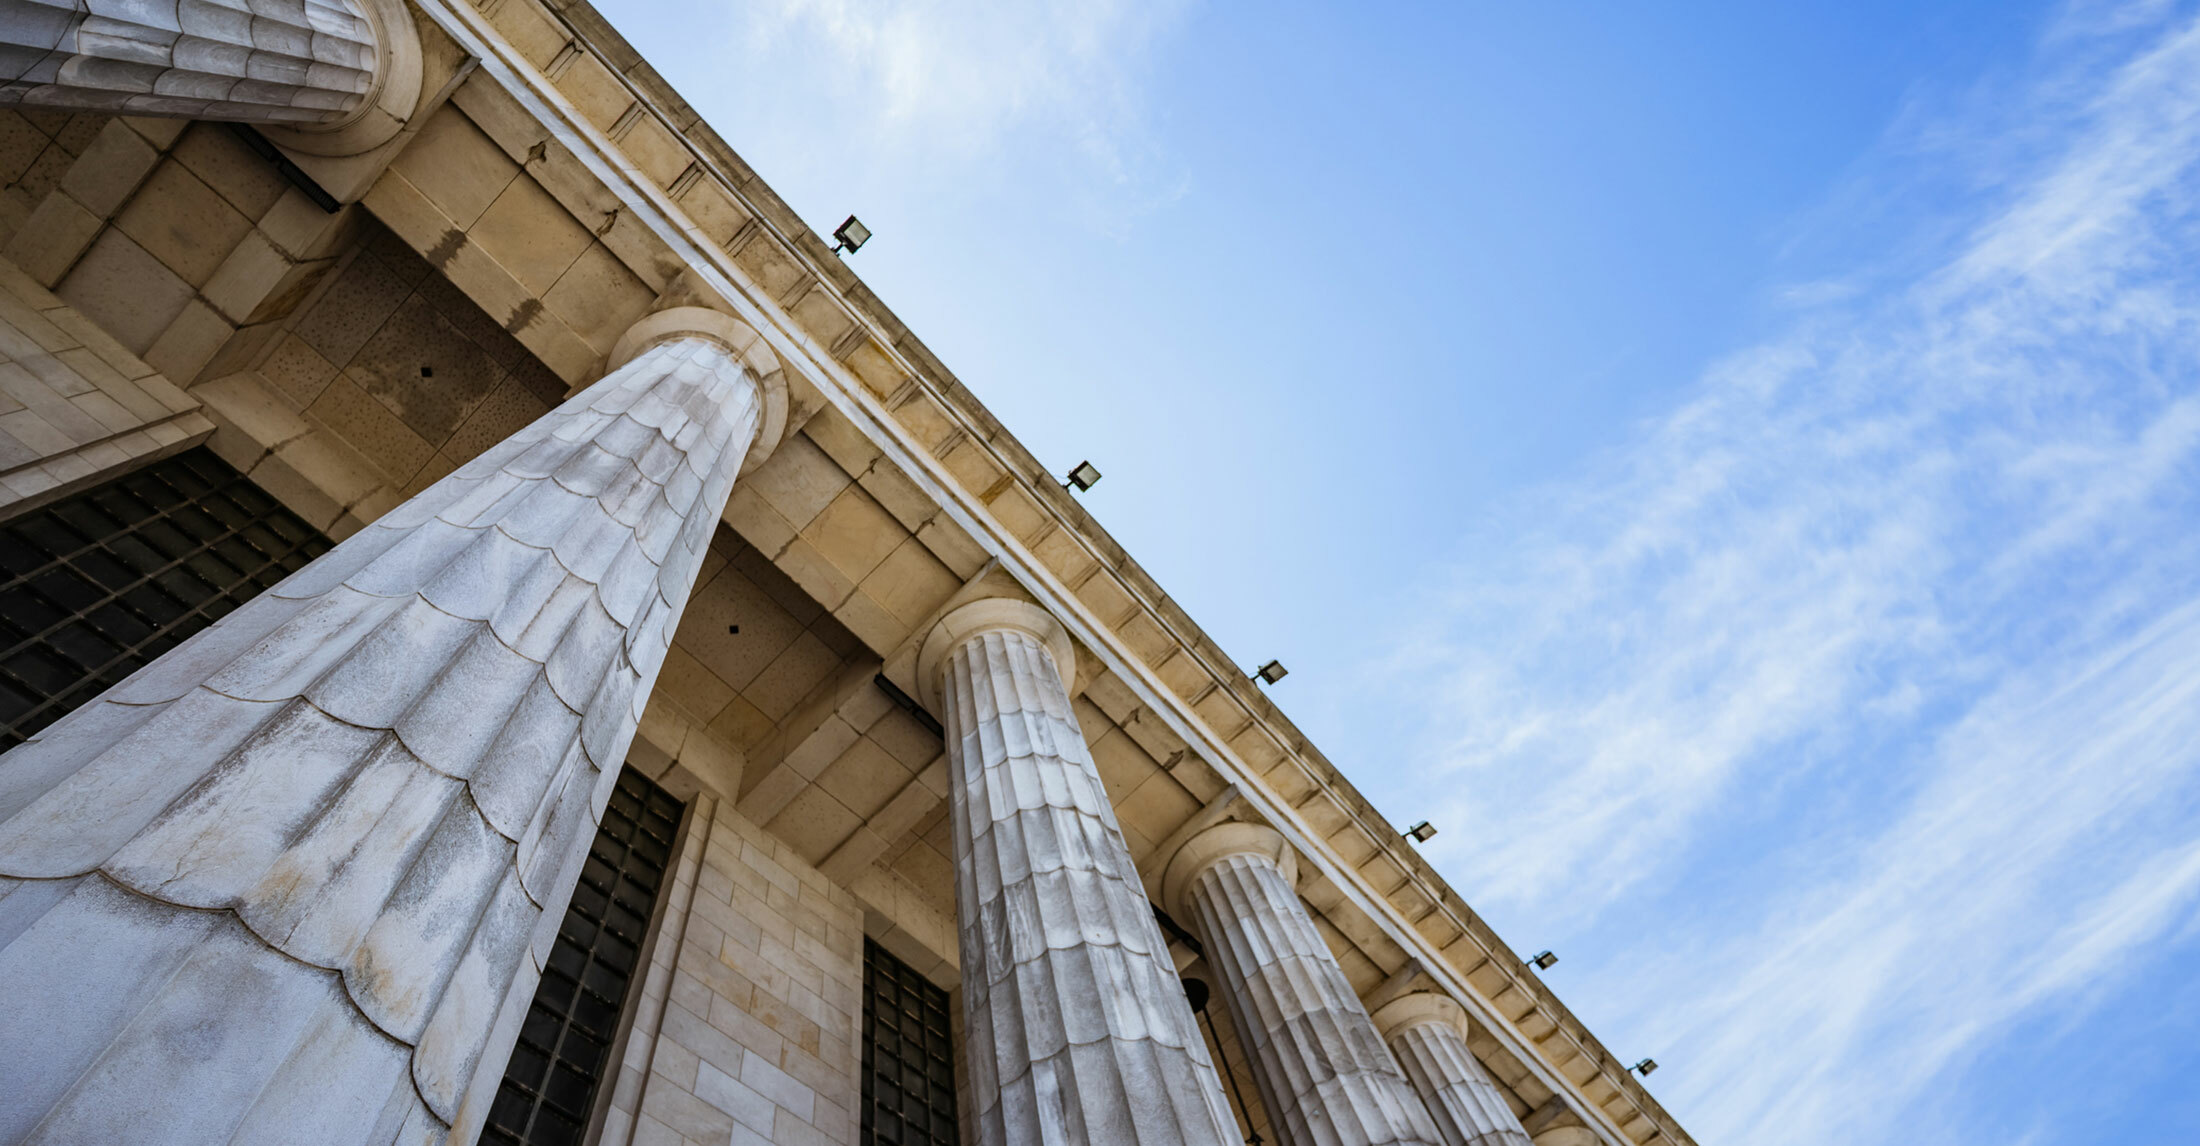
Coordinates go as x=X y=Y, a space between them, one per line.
x=504 y=638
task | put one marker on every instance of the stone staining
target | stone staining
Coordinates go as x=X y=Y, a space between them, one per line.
x=298 y=62
x=1324 y=1074
x=1428 y=1032
x=1077 y=1029
x=278 y=885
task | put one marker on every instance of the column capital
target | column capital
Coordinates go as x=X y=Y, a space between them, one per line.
x=333 y=78
x=389 y=104
x=987 y=615
x=1421 y=1007
x=740 y=340
x=1219 y=843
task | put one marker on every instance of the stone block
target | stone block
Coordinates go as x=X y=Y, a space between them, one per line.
x=655 y=150
x=854 y=533
x=110 y=170
x=799 y=481
x=531 y=30
x=362 y=296
x=183 y=223
x=371 y=428
x=756 y=521
x=246 y=278
x=456 y=167
x=530 y=235
x=53 y=238
x=597 y=93
x=713 y=210
x=426 y=371
x=190 y=342
x=125 y=289
x=598 y=297
x=222 y=161
x=910 y=583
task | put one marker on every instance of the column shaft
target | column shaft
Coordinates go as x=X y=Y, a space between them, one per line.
x=1323 y=1072
x=1077 y=1029
x=265 y=61
x=279 y=885
x=1431 y=1046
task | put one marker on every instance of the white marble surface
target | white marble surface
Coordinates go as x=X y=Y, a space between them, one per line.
x=1428 y=1033
x=267 y=61
x=1077 y=1030
x=1323 y=1072
x=277 y=885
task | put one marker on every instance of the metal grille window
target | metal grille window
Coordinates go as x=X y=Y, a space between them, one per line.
x=908 y=1056
x=549 y=1091
x=93 y=587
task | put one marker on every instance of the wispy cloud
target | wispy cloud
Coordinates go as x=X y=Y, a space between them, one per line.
x=943 y=92
x=1875 y=667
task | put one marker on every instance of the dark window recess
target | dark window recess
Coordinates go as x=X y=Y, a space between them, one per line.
x=908 y=1056
x=93 y=587
x=550 y=1086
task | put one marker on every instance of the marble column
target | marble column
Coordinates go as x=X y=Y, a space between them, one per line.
x=1323 y=1072
x=1428 y=1033
x=1077 y=1030
x=286 y=883
x=302 y=63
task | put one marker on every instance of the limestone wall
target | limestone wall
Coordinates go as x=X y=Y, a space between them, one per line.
x=76 y=408
x=748 y=1027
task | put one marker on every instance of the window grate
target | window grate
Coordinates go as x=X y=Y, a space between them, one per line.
x=549 y=1089
x=908 y=1056
x=95 y=586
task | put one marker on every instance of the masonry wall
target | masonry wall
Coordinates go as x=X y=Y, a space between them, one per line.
x=76 y=408
x=748 y=1026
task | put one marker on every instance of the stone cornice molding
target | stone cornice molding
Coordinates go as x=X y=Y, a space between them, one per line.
x=390 y=103
x=991 y=615
x=1219 y=843
x=1421 y=1007
x=740 y=340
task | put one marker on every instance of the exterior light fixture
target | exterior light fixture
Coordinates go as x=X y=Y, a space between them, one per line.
x=1422 y=832
x=1644 y=1067
x=1544 y=961
x=852 y=235
x=1271 y=672
x=1084 y=477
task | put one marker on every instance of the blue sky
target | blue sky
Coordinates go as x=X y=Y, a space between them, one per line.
x=1733 y=464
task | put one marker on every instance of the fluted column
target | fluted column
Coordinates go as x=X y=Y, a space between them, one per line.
x=280 y=885
x=1323 y=1072
x=301 y=63
x=1077 y=1031
x=1428 y=1033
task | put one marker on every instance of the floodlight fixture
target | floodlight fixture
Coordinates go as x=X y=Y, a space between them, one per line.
x=1271 y=672
x=1422 y=832
x=1644 y=1067
x=852 y=235
x=1084 y=477
x=1544 y=960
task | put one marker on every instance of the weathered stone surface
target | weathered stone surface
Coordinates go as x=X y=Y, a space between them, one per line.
x=1428 y=1032
x=1324 y=1074
x=1077 y=1031
x=276 y=886
x=302 y=62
